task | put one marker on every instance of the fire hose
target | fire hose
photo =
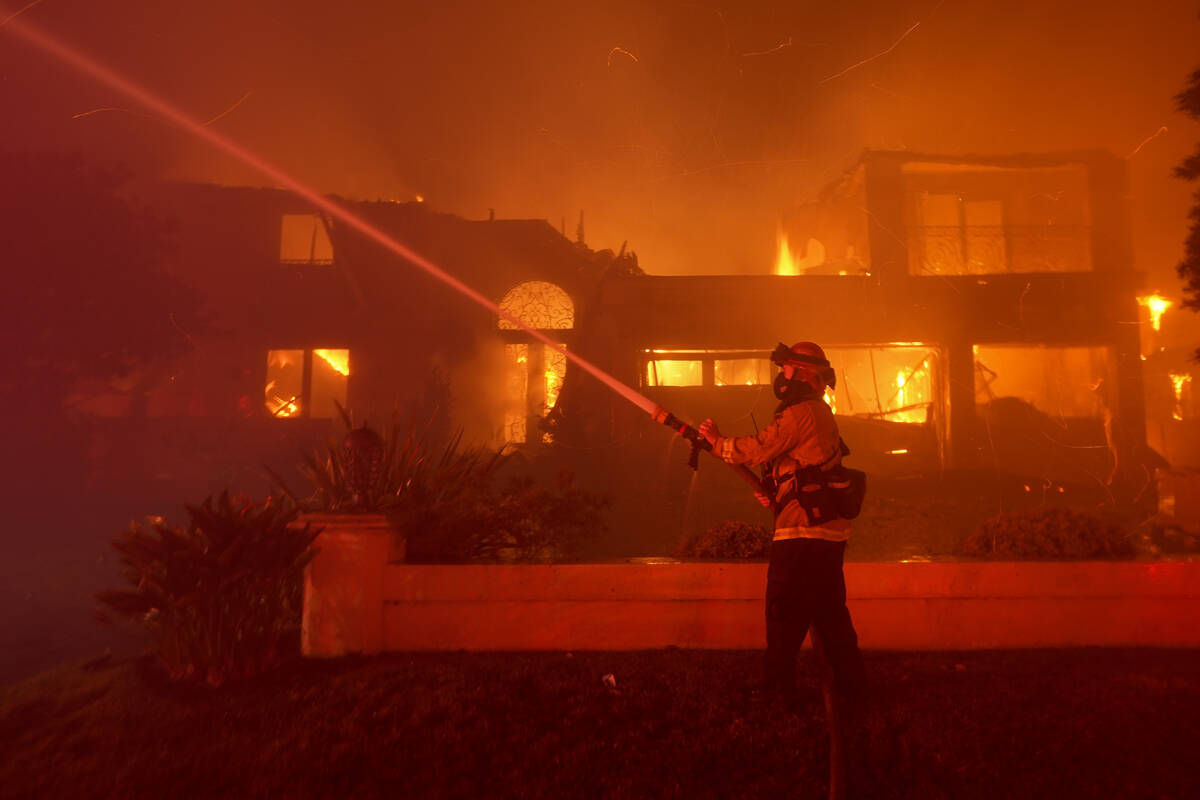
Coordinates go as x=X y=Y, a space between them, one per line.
x=699 y=443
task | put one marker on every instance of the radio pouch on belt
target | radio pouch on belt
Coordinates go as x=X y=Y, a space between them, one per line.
x=848 y=487
x=815 y=496
x=826 y=495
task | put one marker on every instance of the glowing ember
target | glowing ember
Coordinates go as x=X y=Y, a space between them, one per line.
x=785 y=262
x=1157 y=305
x=1179 y=382
x=284 y=408
x=338 y=360
x=280 y=406
x=281 y=394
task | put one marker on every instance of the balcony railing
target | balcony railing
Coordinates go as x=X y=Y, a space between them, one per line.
x=996 y=249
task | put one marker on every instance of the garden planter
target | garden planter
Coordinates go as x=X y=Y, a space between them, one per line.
x=344 y=584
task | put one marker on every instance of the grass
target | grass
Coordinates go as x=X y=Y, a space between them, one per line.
x=1055 y=724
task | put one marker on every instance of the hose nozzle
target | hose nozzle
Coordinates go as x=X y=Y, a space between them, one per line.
x=673 y=422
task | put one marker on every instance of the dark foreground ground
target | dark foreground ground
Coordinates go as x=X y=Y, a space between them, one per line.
x=1058 y=723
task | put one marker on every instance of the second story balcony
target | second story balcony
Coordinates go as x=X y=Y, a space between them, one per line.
x=998 y=249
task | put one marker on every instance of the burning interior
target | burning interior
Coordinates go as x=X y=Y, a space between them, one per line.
x=976 y=313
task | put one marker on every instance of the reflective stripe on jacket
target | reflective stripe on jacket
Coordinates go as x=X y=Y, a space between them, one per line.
x=804 y=434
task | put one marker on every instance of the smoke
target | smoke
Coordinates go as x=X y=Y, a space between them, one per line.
x=709 y=125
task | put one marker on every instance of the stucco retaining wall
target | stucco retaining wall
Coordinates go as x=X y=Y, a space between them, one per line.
x=719 y=605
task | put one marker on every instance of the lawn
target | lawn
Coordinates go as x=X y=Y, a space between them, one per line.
x=1053 y=723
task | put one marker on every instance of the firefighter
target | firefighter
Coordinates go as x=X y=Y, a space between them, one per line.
x=805 y=584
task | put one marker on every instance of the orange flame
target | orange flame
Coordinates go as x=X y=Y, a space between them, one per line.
x=338 y=360
x=1157 y=305
x=1179 y=382
x=785 y=262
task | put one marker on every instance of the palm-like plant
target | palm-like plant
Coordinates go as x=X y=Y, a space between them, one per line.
x=414 y=471
x=221 y=596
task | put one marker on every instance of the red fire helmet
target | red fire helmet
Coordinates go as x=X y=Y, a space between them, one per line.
x=809 y=358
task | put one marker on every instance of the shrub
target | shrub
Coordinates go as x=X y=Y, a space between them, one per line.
x=441 y=495
x=1048 y=533
x=521 y=522
x=222 y=597
x=413 y=469
x=730 y=539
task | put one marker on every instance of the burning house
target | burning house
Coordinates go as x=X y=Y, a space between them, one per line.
x=980 y=314
x=962 y=301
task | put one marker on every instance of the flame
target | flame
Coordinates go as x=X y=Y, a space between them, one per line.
x=1157 y=305
x=553 y=387
x=280 y=406
x=556 y=370
x=339 y=360
x=1179 y=382
x=283 y=408
x=909 y=392
x=830 y=399
x=785 y=262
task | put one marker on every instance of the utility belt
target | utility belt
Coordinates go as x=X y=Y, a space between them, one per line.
x=825 y=493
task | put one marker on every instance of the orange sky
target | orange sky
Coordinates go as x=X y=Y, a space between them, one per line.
x=690 y=141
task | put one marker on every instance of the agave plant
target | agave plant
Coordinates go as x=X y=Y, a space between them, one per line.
x=441 y=495
x=413 y=470
x=220 y=597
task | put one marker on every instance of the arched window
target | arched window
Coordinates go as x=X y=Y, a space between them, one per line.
x=535 y=371
x=540 y=305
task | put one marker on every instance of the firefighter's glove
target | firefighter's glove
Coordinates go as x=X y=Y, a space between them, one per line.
x=709 y=430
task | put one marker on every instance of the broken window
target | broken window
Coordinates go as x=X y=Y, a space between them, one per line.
x=957 y=236
x=674 y=372
x=534 y=371
x=285 y=382
x=1061 y=382
x=979 y=220
x=742 y=372
x=707 y=368
x=304 y=239
x=306 y=382
x=892 y=382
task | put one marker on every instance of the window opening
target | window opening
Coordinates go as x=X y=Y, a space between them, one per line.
x=534 y=371
x=304 y=239
x=539 y=305
x=1062 y=382
x=893 y=382
x=690 y=368
x=976 y=220
x=308 y=383
x=742 y=372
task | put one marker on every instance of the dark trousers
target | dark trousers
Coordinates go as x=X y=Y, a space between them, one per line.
x=805 y=586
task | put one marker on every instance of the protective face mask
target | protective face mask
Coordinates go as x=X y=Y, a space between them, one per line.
x=780 y=386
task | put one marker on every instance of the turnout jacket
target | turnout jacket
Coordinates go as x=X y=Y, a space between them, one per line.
x=802 y=435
